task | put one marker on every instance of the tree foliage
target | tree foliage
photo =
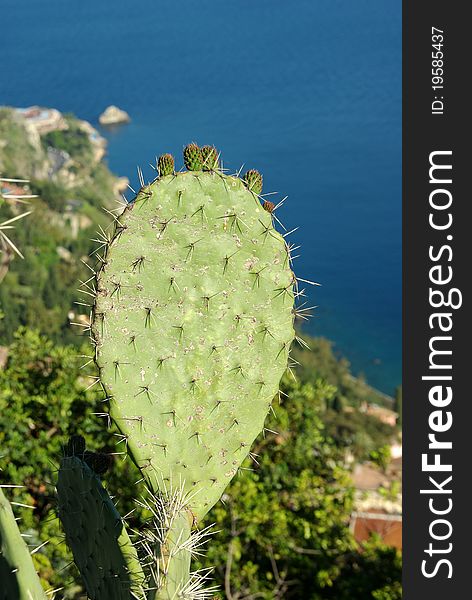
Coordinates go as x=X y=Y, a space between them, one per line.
x=283 y=525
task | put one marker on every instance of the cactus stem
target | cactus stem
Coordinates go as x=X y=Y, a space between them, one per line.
x=227 y=217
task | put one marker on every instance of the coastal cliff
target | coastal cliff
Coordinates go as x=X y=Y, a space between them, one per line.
x=61 y=156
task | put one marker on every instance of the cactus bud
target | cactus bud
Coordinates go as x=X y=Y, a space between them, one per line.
x=193 y=157
x=210 y=158
x=75 y=446
x=165 y=165
x=253 y=180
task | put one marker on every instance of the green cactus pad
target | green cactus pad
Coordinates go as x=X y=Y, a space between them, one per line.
x=95 y=532
x=253 y=181
x=210 y=158
x=18 y=578
x=165 y=165
x=193 y=322
x=193 y=158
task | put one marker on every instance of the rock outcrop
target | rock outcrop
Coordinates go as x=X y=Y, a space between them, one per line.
x=113 y=115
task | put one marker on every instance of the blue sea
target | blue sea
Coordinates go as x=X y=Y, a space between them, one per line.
x=308 y=92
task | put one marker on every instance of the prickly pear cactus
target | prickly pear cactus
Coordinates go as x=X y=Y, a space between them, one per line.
x=192 y=323
x=94 y=530
x=18 y=579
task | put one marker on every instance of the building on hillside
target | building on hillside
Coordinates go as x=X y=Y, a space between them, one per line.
x=42 y=119
x=387 y=416
x=8 y=188
x=388 y=526
x=378 y=501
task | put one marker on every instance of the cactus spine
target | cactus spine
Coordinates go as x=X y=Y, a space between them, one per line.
x=7 y=247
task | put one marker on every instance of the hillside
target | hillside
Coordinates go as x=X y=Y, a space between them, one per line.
x=62 y=157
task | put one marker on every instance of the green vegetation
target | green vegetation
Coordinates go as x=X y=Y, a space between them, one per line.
x=40 y=290
x=56 y=239
x=283 y=524
x=20 y=153
x=358 y=432
x=73 y=140
x=284 y=520
x=336 y=370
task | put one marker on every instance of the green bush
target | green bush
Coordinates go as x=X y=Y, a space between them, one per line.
x=74 y=140
x=283 y=523
x=43 y=399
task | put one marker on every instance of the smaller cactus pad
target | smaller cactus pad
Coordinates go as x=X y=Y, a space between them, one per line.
x=96 y=534
x=18 y=578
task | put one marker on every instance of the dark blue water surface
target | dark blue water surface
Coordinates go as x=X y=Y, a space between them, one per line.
x=309 y=92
